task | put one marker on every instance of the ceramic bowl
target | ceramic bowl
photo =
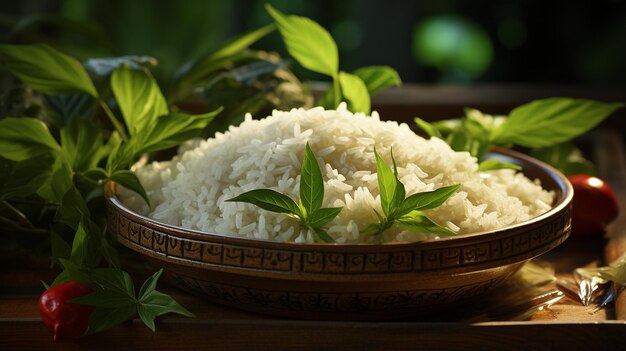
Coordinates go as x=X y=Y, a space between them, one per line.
x=347 y=281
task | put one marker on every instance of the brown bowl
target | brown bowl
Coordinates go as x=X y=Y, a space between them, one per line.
x=347 y=281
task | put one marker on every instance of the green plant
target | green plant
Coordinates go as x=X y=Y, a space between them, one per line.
x=546 y=126
x=308 y=211
x=403 y=210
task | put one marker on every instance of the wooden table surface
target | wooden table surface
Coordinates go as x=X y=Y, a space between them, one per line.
x=564 y=325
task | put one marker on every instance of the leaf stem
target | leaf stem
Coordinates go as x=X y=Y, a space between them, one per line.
x=336 y=87
x=118 y=126
x=18 y=213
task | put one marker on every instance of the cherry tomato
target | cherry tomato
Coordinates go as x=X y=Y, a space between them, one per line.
x=595 y=205
x=67 y=319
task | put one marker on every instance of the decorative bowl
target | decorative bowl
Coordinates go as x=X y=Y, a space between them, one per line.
x=347 y=281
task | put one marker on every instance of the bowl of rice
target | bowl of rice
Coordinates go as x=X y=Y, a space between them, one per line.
x=240 y=255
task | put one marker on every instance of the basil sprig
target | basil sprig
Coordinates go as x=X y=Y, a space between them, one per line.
x=545 y=126
x=314 y=48
x=308 y=211
x=115 y=300
x=406 y=211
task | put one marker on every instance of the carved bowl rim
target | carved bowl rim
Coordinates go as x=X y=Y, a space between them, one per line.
x=564 y=196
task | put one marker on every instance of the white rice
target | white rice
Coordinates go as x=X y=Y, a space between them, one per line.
x=191 y=189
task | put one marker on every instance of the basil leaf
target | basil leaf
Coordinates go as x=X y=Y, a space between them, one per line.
x=493 y=164
x=565 y=157
x=311 y=183
x=322 y=216
x=138 y=97
x=105 y=298
x=307 y=42
x=150 y=284
x=546 y=122
x=428 y=128
x=22 y=179
x=79 y=246
x=421 y=224
x=106 y=318
x=377 y=78
x=426 y=200
x=114 y=280
x=46 y=69
x=71 y=272
x=73 y=208
x=129 y=180
x=448 y=126
x=386 y=184
x=320 y=236
x=170 y=130
x=24 y=138
x=60 y=181
x=109 y=253
x=355 y=92
x=191 y=74
x=157 y=303
x=81 y=143
x=104 y=66
x=400 y=192
x=269 y=200
x=64 y=108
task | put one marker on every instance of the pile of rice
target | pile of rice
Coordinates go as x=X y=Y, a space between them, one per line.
x=190 y=190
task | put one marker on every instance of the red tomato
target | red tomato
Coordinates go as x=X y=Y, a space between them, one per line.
x=595 y=205
x=67 y=319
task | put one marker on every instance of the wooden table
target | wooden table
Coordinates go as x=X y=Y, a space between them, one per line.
x=564 y=325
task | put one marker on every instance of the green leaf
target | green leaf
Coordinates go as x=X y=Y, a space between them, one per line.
x=104 y=66
x=428 y=128
x=546 y=122
x=171 y=130
x=64 y=108
x=60 y=181
x=493 y=164
x=46 y=69
x=155 y=304
x=73 y=208
x=209 y=64
x=386 y=184
x=565 y=157
x=320 y=236
x=139 y=98
x=270 y=200
x=400 y=192
x=421 y=224
x=22 y=179
x=24 y=138
x=71 y=272
x=355 y=93
x=80 y=249
x=130 y=181
x=59 y=248
x=106 y=299
x=106 y=318
x=307 y=42
x=81 y=143
x=323 y=216
x=426 y=200
x=311 y=183
x=113 y=280
x=378 y=78
x=448 y=126
x=150 y=284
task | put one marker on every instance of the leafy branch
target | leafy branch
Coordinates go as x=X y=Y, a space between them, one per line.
x=314 y=48
x=406 y=211
x=546 y=126
x=308 y=211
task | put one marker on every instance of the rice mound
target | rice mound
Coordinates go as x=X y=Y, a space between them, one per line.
x=190 y=190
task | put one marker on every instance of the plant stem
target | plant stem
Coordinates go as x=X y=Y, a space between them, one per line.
x=118 y=126
x=22 y=217
x=336 y=90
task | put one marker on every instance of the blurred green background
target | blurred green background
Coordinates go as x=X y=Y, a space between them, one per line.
x=562 y=42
